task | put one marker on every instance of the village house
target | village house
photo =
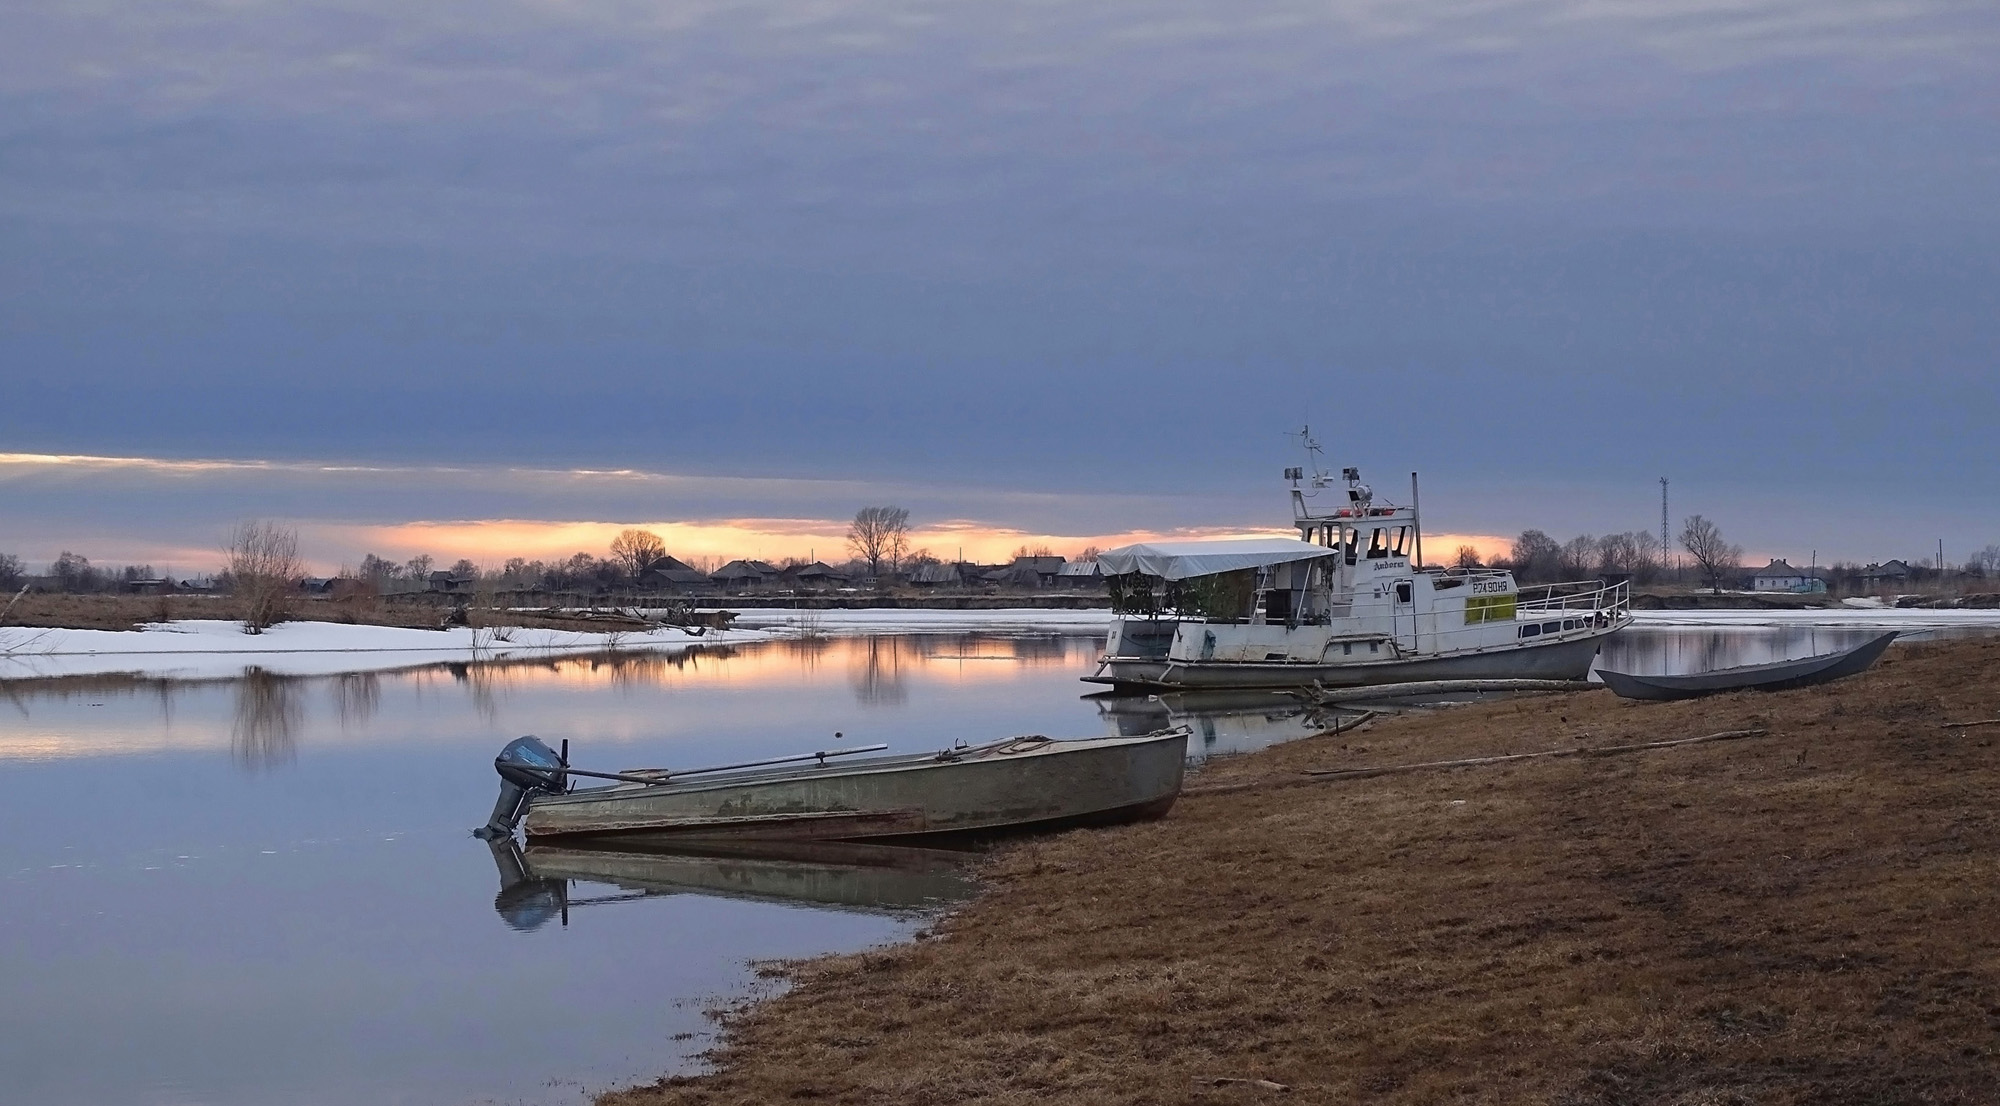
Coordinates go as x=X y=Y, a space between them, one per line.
x=674 y=575
x=1885 y=574
x=817 y=575
x=1781 y=576
x=745 y=575
x=1079 y=574
x=1027 y=572
x=936 y=576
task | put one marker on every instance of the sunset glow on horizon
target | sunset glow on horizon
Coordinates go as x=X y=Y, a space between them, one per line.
x=489 y=543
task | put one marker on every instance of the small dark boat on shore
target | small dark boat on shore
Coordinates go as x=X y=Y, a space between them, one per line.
x=1776 y=676
x=1017 y=784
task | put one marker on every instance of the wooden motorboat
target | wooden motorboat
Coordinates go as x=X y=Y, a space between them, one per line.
x=1020 y=783
x=1775 y=676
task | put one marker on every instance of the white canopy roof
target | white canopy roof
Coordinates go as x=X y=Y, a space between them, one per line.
x=1179 y=560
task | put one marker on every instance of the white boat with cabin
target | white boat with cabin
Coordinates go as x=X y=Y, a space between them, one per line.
x=1344 y=605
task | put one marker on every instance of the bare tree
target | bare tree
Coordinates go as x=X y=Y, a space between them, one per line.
x=10 y=571
x=1648 y=558
x=880 y=535
x=1579 y=556
x=420 y=566
x=1986 y=562
x=1714 y=556
x=1618 y=553
x=635 y=549
x=1536 y=556
x=1467 y=557
x=263 y=568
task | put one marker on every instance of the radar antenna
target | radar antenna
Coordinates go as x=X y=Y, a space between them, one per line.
x=1319 y=477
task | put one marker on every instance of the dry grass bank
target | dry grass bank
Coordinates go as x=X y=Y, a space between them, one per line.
x=1808 y=917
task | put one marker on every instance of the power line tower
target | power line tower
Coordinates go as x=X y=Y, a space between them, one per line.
x=1665 y=549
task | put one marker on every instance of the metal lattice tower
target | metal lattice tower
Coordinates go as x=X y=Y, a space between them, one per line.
x=1664 y=547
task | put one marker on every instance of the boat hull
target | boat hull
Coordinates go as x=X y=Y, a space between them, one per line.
x=1047 y=784
x=1567 y=658
x=1777 y=676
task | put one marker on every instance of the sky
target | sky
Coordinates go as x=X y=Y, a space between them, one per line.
x=415 y=278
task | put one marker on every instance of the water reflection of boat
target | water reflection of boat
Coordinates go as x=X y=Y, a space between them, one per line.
x=1216 y=721
x=535 y=884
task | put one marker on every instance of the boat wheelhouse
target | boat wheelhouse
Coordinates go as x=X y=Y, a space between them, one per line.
x=1344 y=604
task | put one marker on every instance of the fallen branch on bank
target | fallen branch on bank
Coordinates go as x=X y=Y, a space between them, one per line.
x=1318 y=695
x=1471 y=762
x=1964 y=725
x=1227 y=1081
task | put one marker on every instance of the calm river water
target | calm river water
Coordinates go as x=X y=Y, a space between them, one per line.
x=263 y=891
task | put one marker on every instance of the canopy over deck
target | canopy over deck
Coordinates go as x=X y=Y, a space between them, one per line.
x=1181 y=560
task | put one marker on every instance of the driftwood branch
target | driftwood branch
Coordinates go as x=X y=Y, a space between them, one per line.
x=1319 y=695
x=9 y=608
x=1977 y=722
x=1471 y=762
x=1226 y=1081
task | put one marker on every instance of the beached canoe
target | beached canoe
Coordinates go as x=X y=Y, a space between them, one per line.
x=1776 y=676
x=1020 y=783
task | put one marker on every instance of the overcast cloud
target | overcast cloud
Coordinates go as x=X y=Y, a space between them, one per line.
x=1543 y=251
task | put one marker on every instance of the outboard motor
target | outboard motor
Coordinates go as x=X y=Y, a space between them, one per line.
x=526 y=766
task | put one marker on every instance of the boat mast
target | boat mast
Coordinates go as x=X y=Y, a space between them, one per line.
x=1417 y=522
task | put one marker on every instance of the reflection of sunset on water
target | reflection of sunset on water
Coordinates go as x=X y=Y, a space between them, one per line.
x=263 y=720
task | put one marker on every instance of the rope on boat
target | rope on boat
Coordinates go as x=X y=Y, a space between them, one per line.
x=1317 y=694
x=1335 y=775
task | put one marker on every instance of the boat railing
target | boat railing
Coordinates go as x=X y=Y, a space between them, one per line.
x=1578 y=596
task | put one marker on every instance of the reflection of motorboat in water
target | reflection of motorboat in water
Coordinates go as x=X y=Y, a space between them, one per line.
x=535 y=883
x=1216 y=721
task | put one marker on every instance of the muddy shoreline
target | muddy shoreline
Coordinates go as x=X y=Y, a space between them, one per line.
x=1806 y=916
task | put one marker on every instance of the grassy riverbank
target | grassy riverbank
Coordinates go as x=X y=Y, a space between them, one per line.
x=1806 y=916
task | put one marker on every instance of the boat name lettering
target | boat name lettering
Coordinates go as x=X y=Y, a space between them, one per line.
x=1488 y=587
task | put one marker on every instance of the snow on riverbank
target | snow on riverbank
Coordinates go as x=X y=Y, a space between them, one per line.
x=214 y=650
x=196 y=650
x=193 y=650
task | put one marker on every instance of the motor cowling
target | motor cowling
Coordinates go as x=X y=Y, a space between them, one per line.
x=526 y=767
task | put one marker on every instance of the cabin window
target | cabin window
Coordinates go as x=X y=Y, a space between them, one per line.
x=1531 y=631
x=1551 y=627
x=1347 y=648
x=1348 y=540
x=1402 y=540
x=1403 y=592
x=1378 y=544
x=1569 y=624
